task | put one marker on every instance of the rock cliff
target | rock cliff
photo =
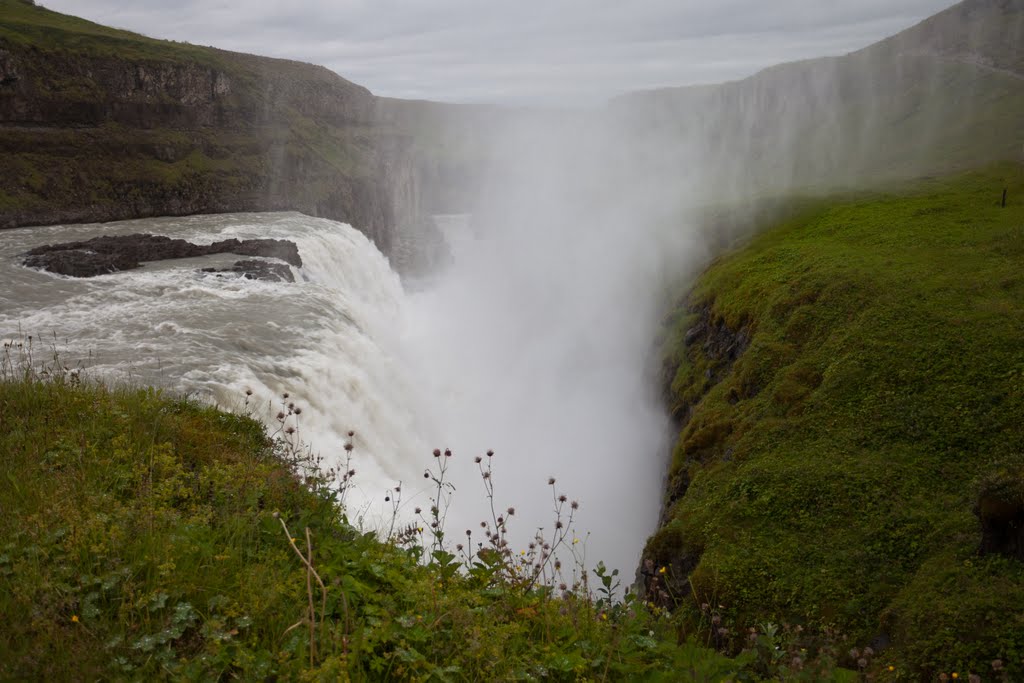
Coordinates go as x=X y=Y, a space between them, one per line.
x=98 y=124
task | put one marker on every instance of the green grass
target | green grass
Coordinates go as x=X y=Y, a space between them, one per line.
x=27 y=24
x=834 y=468
x=141 y=538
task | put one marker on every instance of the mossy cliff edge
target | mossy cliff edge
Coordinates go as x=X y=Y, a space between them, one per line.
x=849 y=392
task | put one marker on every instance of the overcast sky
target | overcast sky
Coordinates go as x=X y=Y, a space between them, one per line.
x=520 y=51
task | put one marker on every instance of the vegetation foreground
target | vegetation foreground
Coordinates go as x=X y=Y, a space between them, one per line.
x=147 y=536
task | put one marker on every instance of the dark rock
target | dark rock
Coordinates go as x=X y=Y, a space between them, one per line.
x=1001 y=512
x=112 y=253
x=252 y=269
x=80 y=262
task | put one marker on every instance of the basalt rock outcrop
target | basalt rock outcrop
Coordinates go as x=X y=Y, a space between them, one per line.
x=253 y=269
x=111 y=254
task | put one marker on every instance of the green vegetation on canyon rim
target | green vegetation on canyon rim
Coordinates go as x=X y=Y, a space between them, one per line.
x=142 y=538
x=850 y=393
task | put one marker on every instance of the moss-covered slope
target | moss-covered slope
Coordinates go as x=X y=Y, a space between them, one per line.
x=850 y=393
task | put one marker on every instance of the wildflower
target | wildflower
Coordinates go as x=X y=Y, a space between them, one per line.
x=419 y=529
x=862 y=663
x=891 y=667
x=417 y=511
x=426 y=475
x=511 y=511
x=490 y=453
x=74 y=618
x=955 y=675
x=348 y=447
x=551 y=481
x=437 y=452
x=663 y=570
x=294 y=540
x=604 y=616
x=477 y=459
x=575 y=541
x=574 y=505
x=248 y=392
x=562 y=498
x=284 y=395
x=298 y=411
x=447 y=452
x=351 y=434
x=280 y=415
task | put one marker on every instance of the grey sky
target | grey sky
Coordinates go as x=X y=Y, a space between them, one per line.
x=520 y=51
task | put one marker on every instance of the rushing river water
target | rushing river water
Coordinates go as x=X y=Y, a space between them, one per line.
x=470 y=360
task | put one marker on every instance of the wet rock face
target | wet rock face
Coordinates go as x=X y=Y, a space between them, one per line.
x=110 y=254
x=1002 y=526
x=251 y=269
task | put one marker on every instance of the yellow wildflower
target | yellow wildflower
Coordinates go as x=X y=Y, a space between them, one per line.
x=74 y=618
x=663 y=570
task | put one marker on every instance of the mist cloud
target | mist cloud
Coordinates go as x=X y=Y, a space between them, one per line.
x=528 y=52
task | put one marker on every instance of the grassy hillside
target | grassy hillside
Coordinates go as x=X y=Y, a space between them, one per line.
x=851 y=451
x=143 y=537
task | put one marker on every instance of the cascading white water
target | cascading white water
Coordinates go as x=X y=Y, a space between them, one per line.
x=329 y=339
x=503 y=350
